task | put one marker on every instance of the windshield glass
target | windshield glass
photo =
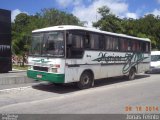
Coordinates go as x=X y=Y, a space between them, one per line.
x=48 y=44
x=36 y=44
x=155 y=57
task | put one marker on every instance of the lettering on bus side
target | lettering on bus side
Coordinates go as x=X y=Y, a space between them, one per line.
x=129 y=60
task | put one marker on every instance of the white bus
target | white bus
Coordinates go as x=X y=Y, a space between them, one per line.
x=64 y=54
x=155 y=62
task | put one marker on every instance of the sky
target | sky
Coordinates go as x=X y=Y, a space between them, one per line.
x=85 y=10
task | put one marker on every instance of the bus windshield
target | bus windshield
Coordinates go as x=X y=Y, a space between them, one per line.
x=50 y=44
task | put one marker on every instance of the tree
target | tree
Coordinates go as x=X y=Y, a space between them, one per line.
x=108 y=22
x=52 y=17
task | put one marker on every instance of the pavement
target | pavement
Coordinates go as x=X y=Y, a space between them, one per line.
x=109 y=96
x=14 y=78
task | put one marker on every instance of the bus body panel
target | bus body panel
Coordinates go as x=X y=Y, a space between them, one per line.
x=106 y=64
x=47 y=69
x=155 y=62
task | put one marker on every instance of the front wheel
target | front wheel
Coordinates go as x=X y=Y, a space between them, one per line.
x=132 y=74
x=86 y=80
x=58 y=84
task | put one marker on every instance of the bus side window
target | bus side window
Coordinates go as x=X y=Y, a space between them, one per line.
x=69 y=45
x=129 y=45
x=75 y=46
x=144 y=46
x=136 y=46
x=147 y=47
x=140 y=46
x=87 y=42
x=123 y=44
x=108 y=43
x=77 y=41
x=121 y=41
x=95 y=41
x=115 y=43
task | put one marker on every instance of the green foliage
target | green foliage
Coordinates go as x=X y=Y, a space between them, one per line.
x=146 y=27
x=25 y=67
x=108 y=21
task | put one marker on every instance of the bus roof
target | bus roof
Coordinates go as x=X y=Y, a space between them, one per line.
x=73 y=27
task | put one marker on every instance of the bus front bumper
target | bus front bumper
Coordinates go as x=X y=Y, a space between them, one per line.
x=44 y=76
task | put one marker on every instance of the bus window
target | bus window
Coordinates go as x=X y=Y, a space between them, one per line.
x=140 y=46
x=137 y=46
x=108 y=43
x=75 y=46
x=94 y=41
x=87 y=42
x=101 y=42
x=129 y=45
x=123 y=44
x=115 y=44
x=147 y=47
x=133 y=46
x=77 y=41
x=144 y=46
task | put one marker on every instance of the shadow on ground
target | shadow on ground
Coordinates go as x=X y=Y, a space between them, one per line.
x=68 y=88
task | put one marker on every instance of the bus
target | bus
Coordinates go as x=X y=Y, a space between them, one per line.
x=155 y=62
x=67 y=53
x=5 y=41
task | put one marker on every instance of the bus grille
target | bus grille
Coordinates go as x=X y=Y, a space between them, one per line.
x=40 y=68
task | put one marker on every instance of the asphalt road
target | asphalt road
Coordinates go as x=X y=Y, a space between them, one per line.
x=114 y=95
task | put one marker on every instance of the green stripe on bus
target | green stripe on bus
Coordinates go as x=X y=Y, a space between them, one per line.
x=51 y=77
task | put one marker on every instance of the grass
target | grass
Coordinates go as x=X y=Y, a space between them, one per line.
x=25 y=67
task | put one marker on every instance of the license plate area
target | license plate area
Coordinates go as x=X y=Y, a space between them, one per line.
x=39 y=76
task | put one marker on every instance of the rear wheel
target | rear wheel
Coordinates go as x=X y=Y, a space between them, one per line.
x=132 y=74
x=86 y=80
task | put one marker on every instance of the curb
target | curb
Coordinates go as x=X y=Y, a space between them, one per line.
x=15 y=80
x=15 y=77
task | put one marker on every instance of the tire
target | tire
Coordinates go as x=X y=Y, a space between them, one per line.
x=58 y=84
x=132 y=74
x=86 y=80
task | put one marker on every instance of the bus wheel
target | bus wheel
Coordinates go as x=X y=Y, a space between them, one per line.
x=86 y=80
x=132 y=74
x=58 y=84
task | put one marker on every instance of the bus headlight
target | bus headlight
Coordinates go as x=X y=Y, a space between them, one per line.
x=53 y=70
